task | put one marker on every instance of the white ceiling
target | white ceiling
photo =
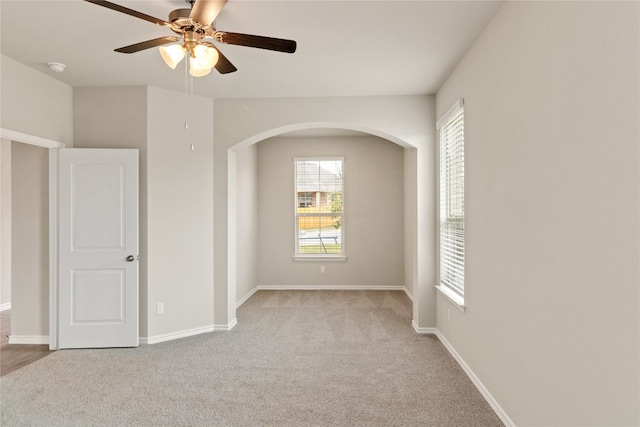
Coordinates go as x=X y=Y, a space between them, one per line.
x=345 y=48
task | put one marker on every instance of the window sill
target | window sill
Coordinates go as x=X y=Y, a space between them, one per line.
x=323 y=258
x=456 y=299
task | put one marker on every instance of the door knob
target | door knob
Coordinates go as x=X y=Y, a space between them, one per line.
x=130 y=258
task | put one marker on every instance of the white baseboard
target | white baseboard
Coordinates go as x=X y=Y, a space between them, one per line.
x=476 y=381
x=423 y=331
x=247 y=296
x=176 y=335
x=5 y=306
x=29 y=339
x=226 y=328
x=409 y=294
x=329 y=288
x=44 y=339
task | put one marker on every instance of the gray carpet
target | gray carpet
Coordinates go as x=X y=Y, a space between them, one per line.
x=296 y=358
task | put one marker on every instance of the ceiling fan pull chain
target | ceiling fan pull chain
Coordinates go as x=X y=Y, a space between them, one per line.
x=186 y=96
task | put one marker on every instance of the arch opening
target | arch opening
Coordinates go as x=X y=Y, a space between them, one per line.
x=240 y=200
x=320 y=129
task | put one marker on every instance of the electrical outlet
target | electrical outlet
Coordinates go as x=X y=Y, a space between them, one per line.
x=448 y=314
x=322 y=269
x=160 y=308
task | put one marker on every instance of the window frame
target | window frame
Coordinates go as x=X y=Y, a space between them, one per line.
x=449 y=216
x=299 y=256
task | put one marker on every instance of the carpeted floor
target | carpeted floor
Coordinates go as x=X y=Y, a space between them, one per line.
x=296 y=358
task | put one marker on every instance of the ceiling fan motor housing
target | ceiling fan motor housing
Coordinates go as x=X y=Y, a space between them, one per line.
x=180 y=18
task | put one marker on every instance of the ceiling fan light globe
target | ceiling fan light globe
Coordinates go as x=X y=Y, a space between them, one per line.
x=196 y=70
x=172 y=54
x=199 y=72
x=206 y=56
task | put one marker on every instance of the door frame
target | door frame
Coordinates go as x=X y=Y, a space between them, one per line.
x=52 y=145
x=118 y=334
x=53 y=249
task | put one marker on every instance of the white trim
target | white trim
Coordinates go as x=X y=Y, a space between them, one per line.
x=467 y=370
x=29 y=339
x=5 y=306
x=328 y=258
x=452 y=296
x=176 y=335
x=423 y=331
x=317 y=158
x=53 y=249
x=447 y=115
x=38 y=141
x=329 y=288
x=226 y=328
x=476 y=381
x=247 y=296
x=29 y=139
x=409 y=294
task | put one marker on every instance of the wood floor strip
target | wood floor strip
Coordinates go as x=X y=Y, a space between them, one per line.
x=16 y=356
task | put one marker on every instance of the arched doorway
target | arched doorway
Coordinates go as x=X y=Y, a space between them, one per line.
x=261 y=234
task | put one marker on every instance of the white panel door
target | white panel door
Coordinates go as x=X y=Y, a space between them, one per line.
x=97 y=248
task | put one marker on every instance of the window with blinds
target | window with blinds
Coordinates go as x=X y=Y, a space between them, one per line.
x=319 y=205
x=452 y=199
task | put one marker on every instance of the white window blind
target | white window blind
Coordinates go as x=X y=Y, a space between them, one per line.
x=319 y=207
x=452 y=199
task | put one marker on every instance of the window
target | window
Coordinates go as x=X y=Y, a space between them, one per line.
x=305 y=200
x=319 y=207
x=452 y=202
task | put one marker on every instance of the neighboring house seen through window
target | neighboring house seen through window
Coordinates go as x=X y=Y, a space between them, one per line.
x=319 y=206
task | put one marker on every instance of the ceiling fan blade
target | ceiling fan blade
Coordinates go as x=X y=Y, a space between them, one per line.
x=147 y=44
x=260 y=42
x=204 y=12
x=131 y=12
x=224 y=66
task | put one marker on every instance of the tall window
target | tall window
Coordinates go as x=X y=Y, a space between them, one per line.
x=452 y=199
x=319 y=206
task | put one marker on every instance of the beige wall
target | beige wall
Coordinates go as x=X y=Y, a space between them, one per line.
x=410 y=197
x=30 y=240
x=247 y=217
x=176 y=196
x=552 y=212
x=34 y=103
x=373 y=221
x=180 y=217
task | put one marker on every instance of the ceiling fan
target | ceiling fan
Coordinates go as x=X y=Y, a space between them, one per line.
x=195 y=27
